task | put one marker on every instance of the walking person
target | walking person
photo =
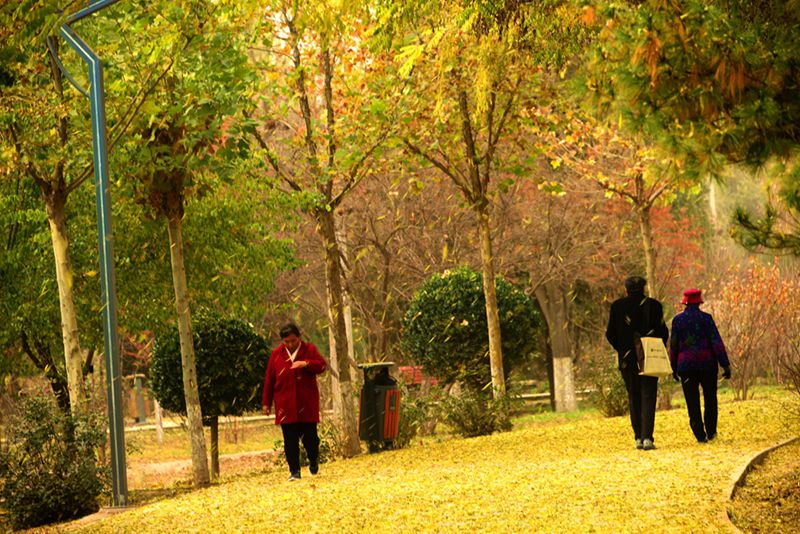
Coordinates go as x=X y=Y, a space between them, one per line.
x=291 y=382
x=632 y=315
x=696 y=353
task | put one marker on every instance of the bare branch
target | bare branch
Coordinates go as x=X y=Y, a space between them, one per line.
x=477 y=190
x=494 y=138
x=302 y=95
x=273 y=161
x=355 y=175
x=331 y=122
x=30 y=167
x=451 y=172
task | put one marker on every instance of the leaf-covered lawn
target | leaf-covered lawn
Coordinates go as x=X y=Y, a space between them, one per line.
x=579 y=475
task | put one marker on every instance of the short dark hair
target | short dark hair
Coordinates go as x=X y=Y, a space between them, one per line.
x=635 y=284
x=288 y=329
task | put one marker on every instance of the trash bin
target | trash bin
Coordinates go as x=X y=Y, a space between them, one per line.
x=379 y=407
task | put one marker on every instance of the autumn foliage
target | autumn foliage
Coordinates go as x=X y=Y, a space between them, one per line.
x=757 y=311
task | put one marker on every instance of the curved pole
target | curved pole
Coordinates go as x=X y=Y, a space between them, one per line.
x=96 y=96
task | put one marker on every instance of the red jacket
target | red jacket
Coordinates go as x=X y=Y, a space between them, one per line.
x=294 y=391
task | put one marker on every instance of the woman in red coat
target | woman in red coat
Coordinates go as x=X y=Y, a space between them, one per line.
x=291 y=381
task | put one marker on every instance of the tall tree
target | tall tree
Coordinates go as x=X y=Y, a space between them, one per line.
x=187 y=140
x=322 y=120
x=45 y=131
x=44 y=125
x=710 y=83
x=471 y=65
x=39 y=136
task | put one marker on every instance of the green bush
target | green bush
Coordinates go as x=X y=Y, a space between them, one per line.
x=474 y=413
x=608 y=389
x=49 y=470
x=231 y=363
x=416 y=411
x=445 y=327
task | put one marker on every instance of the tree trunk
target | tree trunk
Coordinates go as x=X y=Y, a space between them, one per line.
x=344 y=411
x=383 y=335
x=492 y=314
x=646 y=229
x=41 y=357
x=553 y=303
x=712 y=205
x=214 y=448
x=190 y=387
x=159 y=422
x=69 y=319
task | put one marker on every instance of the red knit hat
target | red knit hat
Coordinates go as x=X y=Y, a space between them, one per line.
x=692 y=296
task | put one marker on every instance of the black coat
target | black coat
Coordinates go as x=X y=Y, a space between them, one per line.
x=628 y=317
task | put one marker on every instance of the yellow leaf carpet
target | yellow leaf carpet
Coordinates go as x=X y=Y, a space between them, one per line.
x=580 y=475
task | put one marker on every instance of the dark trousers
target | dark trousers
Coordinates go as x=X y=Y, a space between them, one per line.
x=692 y=382
x=292 y=434
x=642 y=391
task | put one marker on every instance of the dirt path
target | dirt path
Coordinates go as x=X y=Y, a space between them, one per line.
x=167 y=474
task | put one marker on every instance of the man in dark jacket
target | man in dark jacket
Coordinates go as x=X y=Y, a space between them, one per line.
x=631 y=315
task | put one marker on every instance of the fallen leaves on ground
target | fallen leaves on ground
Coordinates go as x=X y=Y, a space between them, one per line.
x=770 y=499
x=577 y=476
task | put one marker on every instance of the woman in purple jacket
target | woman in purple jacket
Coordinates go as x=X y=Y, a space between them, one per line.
x=696 y=353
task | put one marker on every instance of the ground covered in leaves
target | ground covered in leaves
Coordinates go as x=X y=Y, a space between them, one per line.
x=554 y=475
x=770 y=499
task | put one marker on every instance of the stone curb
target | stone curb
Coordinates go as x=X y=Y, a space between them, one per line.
x=738 y=479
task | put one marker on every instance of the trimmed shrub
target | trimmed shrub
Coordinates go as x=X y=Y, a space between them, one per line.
x=445 y=327
x=49 y=469
x=231 y=363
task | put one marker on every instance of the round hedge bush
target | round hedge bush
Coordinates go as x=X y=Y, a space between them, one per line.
x=445 y=327
x=231 y=362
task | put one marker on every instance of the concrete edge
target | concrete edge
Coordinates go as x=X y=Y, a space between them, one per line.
x=738 y=479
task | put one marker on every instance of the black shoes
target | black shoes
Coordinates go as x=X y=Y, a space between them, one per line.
x=294 y=476
x=313 y=468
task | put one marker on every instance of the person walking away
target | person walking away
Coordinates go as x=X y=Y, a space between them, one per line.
x=291 y=383
x=696 y=352
x=631 y=316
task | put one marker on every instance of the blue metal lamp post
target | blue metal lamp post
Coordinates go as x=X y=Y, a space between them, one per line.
x=96 y=96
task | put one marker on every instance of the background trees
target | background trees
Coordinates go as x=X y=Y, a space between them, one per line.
x=416 y=137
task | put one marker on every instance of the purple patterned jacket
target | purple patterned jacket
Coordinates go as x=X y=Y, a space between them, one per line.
x=695 y=344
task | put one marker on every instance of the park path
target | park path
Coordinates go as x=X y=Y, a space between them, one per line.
x=579 y=475
x=164 y=474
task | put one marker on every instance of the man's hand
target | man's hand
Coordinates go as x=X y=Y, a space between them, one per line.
x=299 y=364
x=726 y=372
x=265 y=409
